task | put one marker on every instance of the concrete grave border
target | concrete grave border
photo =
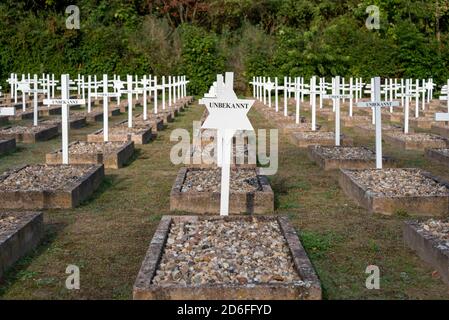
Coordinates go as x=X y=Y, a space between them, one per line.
x=308 y=289
x=68 y=196
x=23 y=238
x=258 y=202
x=418 y=206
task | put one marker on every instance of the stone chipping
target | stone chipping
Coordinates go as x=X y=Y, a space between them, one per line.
x=43 y=177
x=209 y=180
x=398 y=182
x=226 y=252
x=345 y=153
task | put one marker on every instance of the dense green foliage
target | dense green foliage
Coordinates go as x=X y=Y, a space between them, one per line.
x=250 y=37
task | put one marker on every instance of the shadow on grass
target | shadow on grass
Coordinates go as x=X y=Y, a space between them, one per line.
x=136 y=155
x=18 y=270
x=280 y=187
x=108 y=182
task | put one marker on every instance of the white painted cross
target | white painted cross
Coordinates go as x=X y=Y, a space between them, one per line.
x=106 y=95
x=336 y=96
x=377 y=104
x=130 y=91
x=269 y=86
x=407 y=95
x=13 y=84
x=313 y=92
x=23 y=86
x=65 y=102
x=26 y=88
x=227 y=114
x=445 y=90
x=444 y=117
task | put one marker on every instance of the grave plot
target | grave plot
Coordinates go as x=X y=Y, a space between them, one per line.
x=332 y=158
x=123 y=108
x=49 y=111
x=93 y=116
x=390 y=191
x=75 y=122
x=20 y=232
x=210 y=258
x=21 y=115
x=440 y=129
x=393 y=117
x=344 y=118
x=49 y=186
x=113 y=155
x=4 y=120
x=351 y=122
x=416 y=141
x=438 y=155
x=123 y=134
x=204 y=156
x=139 y=123
x=197 y=190
x=370 y=129
x=324 y=138
x=167 y=115
x=422 y=123
x=289 y=128
x=29 y=134
x=7 y=146
x=430 y=240
x=154 y=121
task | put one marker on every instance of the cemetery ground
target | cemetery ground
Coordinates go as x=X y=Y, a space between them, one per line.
x=108 y=236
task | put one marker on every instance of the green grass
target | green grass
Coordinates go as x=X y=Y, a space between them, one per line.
x=107 y=236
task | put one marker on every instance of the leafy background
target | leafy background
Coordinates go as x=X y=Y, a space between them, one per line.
x=249 y=37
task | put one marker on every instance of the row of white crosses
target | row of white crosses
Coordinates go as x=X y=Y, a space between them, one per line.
x=47 y=82
x=66 y=102
x=175 y=85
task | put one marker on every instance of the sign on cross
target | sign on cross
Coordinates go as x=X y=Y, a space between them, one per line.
x=377 y=104
x=65 y=102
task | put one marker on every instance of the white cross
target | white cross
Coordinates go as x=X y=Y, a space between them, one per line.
x=445 y=90
x=336 y=96
x=227 y=114
x=35 y=91
x=66 y=102
x=106 y=95
x=130 y=91
x=377 y=104
x=313 y=93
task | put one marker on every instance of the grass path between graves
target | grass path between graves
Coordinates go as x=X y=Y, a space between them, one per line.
x=108 y=236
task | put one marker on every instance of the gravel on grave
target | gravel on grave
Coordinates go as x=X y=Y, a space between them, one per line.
x=385 y=127
x=398 y=182
x=418 y=137
x=43 y=177
x=437 y=228
x=83 y=147
x=444 y=152
x=23 y=129
x=316 y=134
x=226 y=252
x=209 y=180
x=7 y=222
x=57 y=121
x=126 y=130
x=345 y=153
